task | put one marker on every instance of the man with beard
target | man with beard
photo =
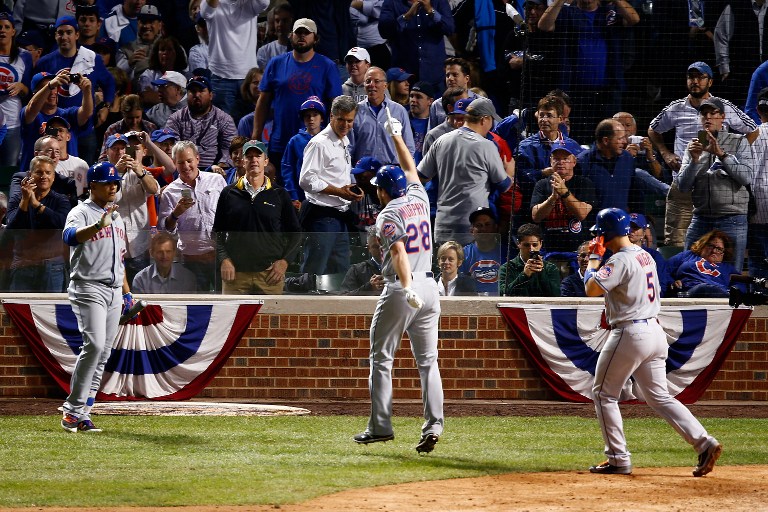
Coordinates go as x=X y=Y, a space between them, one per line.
x=133 y=58
x=209 y=127
x=683 y=116
x=287 y=82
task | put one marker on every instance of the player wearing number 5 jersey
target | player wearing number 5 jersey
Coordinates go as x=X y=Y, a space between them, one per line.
x=409 y=301
x=637 y=345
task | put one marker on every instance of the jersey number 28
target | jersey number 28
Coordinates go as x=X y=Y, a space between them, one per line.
x=418 y=238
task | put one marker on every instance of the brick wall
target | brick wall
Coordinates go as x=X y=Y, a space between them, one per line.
x=300 y=348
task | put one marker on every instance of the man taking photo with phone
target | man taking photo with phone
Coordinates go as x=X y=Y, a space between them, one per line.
x=528 y=275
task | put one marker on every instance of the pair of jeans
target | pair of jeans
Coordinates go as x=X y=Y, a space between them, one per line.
x=326 y=249
x=735 y=226
x=227 y=96
x=48 y=276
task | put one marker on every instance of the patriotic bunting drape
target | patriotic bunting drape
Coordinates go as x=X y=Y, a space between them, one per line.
x=170 y=352
x=563 y=342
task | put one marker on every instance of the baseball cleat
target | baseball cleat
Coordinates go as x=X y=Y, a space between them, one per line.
x=707 y=459
x=69 y=423
x=427 y=443
x=87 y=426
x=366 y=438
x=609 y=469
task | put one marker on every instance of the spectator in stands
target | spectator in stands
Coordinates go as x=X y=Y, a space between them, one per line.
x=325 y=178
x=563 y=203
x=358 y=61
x=17 y=74
x=368 y=137
x=683 y=116
x=89 y=22
x=638 y=234
x=527 y=274
x=416 y=32
x=131 y=122
x=283 y=20
x=49 y=146
x=193 y=225
x=164 y=139
x=453 y=119
x=367 y=209
x=232 y=173
x=133 y=58
x=365 y=17
x=67 y=166
x=718 y=171
x=166 y=54
x=592 y=67
x=165 y=274
x=32 y=41
x=107 y=49
x=421 y=97
x=740 y=46
x=198 y=54
x=211 y=128
x=122 y=24
x=457 y=74
x=233 y=41
x=450 y=282
x=40 y=213
x=335 y=33
x=758 y=82
x=250 y=93
x=171 y=88
x=640 y=148
x=364 y=278
x=705 y=269
x=608 y=165
x=105 y=114
x=251 y=213
x=279 y=93
x=398 y=85
x=313 y=114
x=573 y=285
x=486 y=254
x=469 y=167
x=758 y=223
x=45 y=104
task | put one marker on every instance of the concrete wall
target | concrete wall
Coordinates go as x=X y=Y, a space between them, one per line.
x=309 y=347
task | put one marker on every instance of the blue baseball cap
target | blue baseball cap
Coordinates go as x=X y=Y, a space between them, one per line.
x=66 y=20
x=5 y=15
x=312 y=103
x=200 y=81
x=638 y=219
x=117 y=137
x=163 y=135
x=39 y=77
x=701 y=67
x=460 y=107
x=398 y=75
x=367 y=163
x=58 y=119
x=560 y=146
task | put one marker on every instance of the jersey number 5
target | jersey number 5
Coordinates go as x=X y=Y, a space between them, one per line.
x=418 y=238
x=651 y=287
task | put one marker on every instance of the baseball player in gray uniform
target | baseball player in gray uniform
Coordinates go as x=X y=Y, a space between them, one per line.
x=637 y=345
x=96 y=236
x=409 y=301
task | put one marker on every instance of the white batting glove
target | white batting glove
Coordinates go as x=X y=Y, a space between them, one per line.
x=392 y=126
x=413 y=298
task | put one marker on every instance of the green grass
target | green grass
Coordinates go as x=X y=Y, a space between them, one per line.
x=167 y=461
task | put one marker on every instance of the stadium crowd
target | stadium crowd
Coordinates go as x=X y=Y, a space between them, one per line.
x=246 y=133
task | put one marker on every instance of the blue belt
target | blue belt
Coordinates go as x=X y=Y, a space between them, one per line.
x=621 y=325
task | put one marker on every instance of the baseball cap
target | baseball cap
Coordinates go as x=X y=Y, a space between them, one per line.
x=560 y=146
x=200 y=81
x=312 y=103
x=255 y=144
x=460 y=107
x=86 y=10
x=367 y=163
x=58 y=119
x=306 y=24
x=483 y=107
x=358 y=53
x=5 y=15
x=66 y=20
x=712 y=102
x=481 y=210
x=149 y=13
x=31 y=38
x=424 y=87
x=104 y=44
x=38 y=78
x=398 y=74
x=762 y=98
x=701 y=67
x=638 y=219
x=163 y=135
x=171 y=77
x=136 y=134
x=117 y=137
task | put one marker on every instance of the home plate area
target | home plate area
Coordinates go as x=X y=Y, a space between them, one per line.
x=194 y=408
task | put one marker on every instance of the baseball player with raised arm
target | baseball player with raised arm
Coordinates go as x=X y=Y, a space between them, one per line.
x=409 y=301
x=637 y=345
x=95 y=233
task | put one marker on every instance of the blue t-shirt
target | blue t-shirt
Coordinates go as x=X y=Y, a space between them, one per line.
x=101 y=78
x=34 y=130
x=291 y=83
x=484 y=267
x=419 y=128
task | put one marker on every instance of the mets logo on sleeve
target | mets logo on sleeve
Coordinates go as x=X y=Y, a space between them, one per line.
x=388 y=230
x=574 y=226
x=8 y=76
x=606 y=271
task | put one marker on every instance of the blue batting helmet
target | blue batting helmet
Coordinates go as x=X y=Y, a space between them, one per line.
x=312 y=103
x=103 y=172
x=392 y=179
x=610 y=223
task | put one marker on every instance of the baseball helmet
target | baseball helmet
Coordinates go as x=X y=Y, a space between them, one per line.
x=103 y=172
x=610 y=223
x=392 y=179
x=312 y=103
